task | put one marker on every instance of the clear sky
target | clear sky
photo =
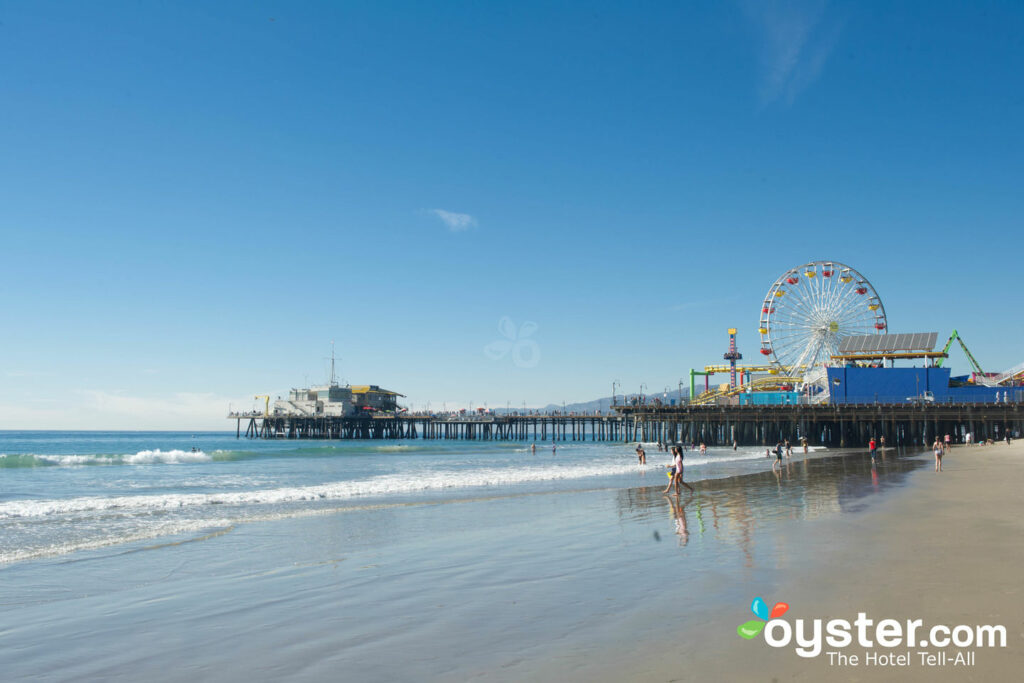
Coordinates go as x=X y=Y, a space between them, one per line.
x=196 y=198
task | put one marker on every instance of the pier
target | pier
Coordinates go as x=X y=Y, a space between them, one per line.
x=715 y=425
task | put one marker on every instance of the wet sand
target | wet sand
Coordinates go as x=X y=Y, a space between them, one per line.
x=947 y=550
x=494 y=586
x=604 y=584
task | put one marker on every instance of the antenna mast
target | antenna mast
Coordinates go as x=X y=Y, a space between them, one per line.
x=334 y=382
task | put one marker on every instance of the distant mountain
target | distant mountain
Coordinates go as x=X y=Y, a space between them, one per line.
x=604 y=404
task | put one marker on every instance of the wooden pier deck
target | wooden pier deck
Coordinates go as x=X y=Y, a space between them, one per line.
x=826 y=425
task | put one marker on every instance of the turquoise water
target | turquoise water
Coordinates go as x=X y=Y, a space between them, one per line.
x=64 y=492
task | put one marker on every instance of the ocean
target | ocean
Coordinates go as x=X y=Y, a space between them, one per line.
x=73 y=491
x=166 y=556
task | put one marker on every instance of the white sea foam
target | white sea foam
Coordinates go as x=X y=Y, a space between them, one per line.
x=149 y=457
x=389 y=484
x=150 y=531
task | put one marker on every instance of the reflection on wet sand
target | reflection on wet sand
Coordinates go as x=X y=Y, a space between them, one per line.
x=678 y=509
x=732 y=509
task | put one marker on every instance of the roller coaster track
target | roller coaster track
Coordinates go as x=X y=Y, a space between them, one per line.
x=774 y=383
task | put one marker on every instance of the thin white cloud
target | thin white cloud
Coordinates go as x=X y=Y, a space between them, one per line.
x=456 y=222
x=796 y=40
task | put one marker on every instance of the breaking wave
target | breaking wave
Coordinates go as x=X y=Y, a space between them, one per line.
x=150 y=457
x=388 y=484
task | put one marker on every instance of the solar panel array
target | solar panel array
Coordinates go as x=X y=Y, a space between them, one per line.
x=871 y=343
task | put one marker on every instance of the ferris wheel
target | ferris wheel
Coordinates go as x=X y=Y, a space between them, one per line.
x=811 y=308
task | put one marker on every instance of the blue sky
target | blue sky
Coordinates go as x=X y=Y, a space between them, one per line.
x=196 y=198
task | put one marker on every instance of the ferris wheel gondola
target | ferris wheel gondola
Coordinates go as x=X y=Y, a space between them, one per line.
x=813 y=307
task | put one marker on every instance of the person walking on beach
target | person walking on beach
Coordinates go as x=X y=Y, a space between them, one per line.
x=677 y=474
x=778 y=456
x=937 y=450
x=640 y=454
x=872 y=446
x=789 y=449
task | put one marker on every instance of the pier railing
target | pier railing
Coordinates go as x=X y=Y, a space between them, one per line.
x=762 y=425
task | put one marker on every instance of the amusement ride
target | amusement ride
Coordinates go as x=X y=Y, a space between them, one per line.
x=805 y=315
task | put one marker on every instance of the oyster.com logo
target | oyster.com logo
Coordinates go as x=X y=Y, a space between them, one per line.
x=882 y=642
x=760 y=609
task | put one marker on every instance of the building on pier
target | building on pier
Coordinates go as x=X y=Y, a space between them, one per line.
x=859 y=374
x=334 y=400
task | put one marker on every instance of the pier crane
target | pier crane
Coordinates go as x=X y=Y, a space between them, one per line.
x=970 y=357
x=266 y=403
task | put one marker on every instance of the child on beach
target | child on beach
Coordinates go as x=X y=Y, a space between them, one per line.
x=677 y=474
x=937 y=449
x=872 y=446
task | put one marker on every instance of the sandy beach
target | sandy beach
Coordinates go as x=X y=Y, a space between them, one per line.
x=606 y=583
x=946 y=550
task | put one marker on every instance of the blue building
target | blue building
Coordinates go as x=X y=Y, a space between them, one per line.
x=898 y=385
